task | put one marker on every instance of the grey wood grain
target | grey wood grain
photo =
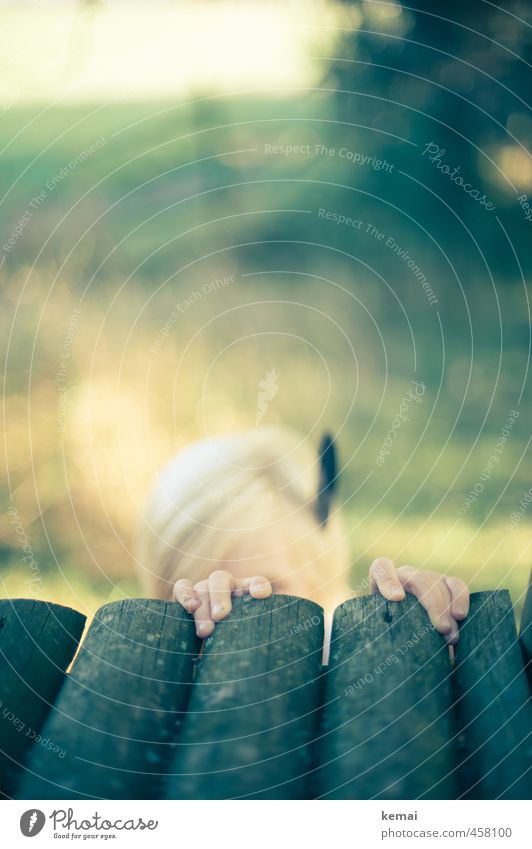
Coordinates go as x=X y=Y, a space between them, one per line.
x=37 y=642
x=387 y=719
x=253 y=713
x=493 y=702
x=121 y=707
x=525 y=631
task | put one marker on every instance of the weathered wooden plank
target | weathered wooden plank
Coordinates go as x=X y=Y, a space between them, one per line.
x=253 y=713
x=492 y=701
x=387 y=718
x=37 y=642
x=121 y=706
x=525 y=631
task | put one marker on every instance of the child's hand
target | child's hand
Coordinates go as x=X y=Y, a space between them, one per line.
x=210 y=600
x=445 y=599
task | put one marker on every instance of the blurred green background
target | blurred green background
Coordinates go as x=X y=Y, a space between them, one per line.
x=152 y=152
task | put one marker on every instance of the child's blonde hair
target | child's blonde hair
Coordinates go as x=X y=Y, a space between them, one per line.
x=217 y=492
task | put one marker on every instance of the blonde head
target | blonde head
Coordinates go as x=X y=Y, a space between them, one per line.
x=243 y=499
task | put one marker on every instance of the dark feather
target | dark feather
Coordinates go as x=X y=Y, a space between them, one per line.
x=328 y=481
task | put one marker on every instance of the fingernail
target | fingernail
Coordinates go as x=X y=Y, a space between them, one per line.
x=193 y=604
x=202 y=629
x=217 y=608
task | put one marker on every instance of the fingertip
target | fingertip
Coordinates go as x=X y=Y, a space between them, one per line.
x=261 y=589
x=381 y=563
x=460 y=607
x=447 y=628
x=193 y=604
x=204 y=629
x=394 y=591
x=220 y=611
x=459 y=597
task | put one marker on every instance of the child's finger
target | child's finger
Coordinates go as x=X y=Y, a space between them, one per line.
x=186 y=595
x=460 y=597
x=383 y=578
x=220 y=585
x=258 y=586
x=433 y=593
x=202 y=616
